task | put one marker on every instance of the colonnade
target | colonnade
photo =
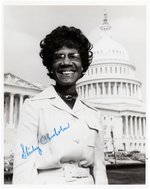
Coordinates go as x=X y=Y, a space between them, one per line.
x=12 y=108
x=111 y=69
x=134 y=126
x=118 y=88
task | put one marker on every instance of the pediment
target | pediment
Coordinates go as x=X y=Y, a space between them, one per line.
x=11 y=79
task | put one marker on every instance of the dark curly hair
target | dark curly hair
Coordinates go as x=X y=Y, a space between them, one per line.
x=69 y=37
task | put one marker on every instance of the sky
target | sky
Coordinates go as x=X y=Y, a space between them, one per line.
x=25 y=26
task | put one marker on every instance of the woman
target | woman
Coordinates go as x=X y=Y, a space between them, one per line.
x=60 y=139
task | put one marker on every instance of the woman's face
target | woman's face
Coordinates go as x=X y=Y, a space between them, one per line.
x=66 y=66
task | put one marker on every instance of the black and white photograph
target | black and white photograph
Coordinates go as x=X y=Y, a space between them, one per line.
x=74 y=102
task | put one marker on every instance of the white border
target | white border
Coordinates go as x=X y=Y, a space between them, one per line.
x=75 y=2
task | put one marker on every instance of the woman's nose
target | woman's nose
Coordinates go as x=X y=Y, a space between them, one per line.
x=66 y=60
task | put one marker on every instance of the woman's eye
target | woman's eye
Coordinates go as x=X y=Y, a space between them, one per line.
x=75 y=56
x=58 y=57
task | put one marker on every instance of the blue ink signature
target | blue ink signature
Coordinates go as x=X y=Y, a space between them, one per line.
x=27 y=151
x=45 y=138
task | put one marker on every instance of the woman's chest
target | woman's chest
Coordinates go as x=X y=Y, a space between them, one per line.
x=64 y=133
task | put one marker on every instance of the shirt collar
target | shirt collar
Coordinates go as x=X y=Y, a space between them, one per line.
x=50 y=93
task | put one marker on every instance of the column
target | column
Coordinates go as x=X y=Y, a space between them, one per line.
x=131 y=89
x=115 y=88
x=134 y=92
x=103 y=88
x=118 y=87
x=11 y=113
x=123 y=92
x=114 y=91
x=81 y=91
x=92 y=90
x=144 y=127
x=140 y=128
x=127 y=126
x=109 y=88
x=131 y=125
x=129 y=117
x=20 y=104
x=124 y=125
x=133 y=121
x=98 y=90
x=128 y=90
x=116 y=84
x=95 y=89
x=136 y=124
x=138 y=92
x=78 y=90
x=121 y=89
x=85 y=89
x=5 y=109
x=127 y=94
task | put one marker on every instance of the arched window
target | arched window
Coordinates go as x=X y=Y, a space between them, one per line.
x=115 y=69
x=101 y=70
x=96 y=70
x=124 y=146
x=120 y=69
x=110 y=69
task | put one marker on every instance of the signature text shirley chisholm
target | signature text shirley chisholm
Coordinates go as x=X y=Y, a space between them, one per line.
x=27 y=151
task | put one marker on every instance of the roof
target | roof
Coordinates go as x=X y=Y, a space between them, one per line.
x=13 y=80
x=107 y=50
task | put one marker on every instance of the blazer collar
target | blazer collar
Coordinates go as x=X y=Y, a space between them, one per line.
x=50 y=93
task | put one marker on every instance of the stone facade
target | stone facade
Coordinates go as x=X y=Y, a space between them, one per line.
x=16 y=90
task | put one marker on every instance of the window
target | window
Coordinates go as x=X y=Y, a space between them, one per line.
x=115 y=69
x=110 y=69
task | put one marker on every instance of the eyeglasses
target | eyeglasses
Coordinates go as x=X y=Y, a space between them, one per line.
x=59 y=57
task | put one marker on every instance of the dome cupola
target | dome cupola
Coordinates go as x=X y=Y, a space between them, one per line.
x=106 y=50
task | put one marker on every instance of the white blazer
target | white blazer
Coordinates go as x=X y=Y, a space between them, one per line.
x=50 y=133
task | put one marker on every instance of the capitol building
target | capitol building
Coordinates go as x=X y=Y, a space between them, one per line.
x=110 y=85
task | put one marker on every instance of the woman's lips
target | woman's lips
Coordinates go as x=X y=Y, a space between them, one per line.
x=66 y=72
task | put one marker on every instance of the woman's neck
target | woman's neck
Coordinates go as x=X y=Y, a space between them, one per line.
x=66 y=90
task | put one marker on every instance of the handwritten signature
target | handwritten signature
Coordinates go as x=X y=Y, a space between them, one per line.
x=27 y=151
x=45 y=138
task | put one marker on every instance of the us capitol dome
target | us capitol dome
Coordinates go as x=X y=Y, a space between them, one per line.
x=110 y=85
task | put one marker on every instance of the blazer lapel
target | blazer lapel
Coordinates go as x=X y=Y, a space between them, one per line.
x=57 y=102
